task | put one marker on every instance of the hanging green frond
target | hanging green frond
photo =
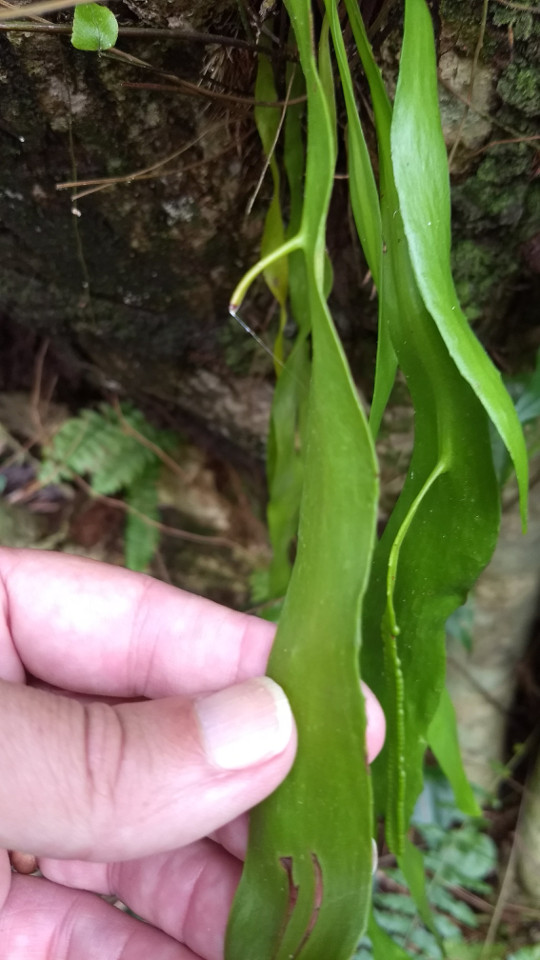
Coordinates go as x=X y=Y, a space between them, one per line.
x=306 y=884
x=286 y=435
x=305 y=889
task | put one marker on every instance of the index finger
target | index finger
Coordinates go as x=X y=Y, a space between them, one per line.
x=95 y=628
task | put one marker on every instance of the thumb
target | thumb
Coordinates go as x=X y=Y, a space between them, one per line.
x=91 y=781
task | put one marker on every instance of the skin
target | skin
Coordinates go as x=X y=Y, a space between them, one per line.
x=105 y=774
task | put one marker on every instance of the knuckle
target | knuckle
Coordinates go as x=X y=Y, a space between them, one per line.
x=104 y=749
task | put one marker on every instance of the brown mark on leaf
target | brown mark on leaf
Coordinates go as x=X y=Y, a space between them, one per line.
x=287 y=864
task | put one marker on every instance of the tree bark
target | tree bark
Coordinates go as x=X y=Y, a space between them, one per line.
x=133 y=280
x=482 y=680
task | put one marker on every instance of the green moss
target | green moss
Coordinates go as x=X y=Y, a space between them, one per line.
x=504 y=164
x=461 y=18
x=519 y=86
x=496 y=194
x=479 y=269
x=523 y=24
x=460 y=11
x=494 y=210
x=481 y=206
x=461 y=21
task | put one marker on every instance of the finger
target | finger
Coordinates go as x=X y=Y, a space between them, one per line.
x=187 y=893
x=375 y=720
x=95 y=628
x=234 y=835
x=375 y=724
x=102 y=630
x=81 y=754
x=38 y=914
x=101 y=782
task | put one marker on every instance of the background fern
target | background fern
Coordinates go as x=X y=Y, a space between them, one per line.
x=141 y=539
x=98 y=445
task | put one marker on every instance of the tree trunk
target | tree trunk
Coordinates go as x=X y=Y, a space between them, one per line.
x=132 y=282
x=482 y=681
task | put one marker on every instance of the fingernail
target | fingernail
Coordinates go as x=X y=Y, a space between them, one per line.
x=245 y=724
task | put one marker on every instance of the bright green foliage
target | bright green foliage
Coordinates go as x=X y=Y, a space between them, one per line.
x=386 y=364
x=419 y=157
x=443 y=529
x=308 y=871
x=94 y=27
x=305 y=888
x=367 y=215
x=97 y=445
x=411 y=863
x=284 y=453
x=268 y=121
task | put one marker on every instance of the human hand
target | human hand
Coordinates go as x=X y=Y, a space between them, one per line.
x=132 y=729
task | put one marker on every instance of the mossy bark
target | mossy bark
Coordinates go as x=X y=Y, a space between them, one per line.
x=135 y=278
x=496 y=193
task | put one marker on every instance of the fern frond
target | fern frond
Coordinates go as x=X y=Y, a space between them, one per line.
x=141 y=539
x=98 y=444
x=95 y=444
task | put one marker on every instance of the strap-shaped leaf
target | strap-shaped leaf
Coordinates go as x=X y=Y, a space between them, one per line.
x=383 y=945
x=268 y=120
x=443 y=740
x=386 y=365
x=421 y=172
x=284 y=459
x=306 y=884
x=363 y=189
x=443 y=529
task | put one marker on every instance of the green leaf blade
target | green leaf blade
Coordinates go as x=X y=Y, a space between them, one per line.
x=94 y=27
x=386 y=364
x=363 y=189
x=383 y=945
x=451 y=432
x=422 y=180
x=308 y=869
x=443 y=740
